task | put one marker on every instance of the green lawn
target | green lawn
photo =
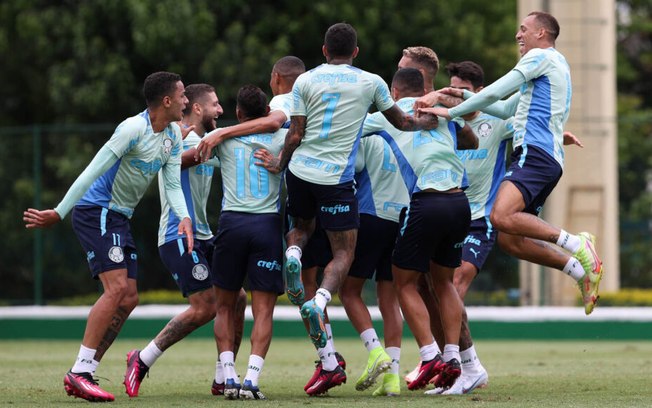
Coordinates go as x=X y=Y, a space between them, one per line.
x=522 y=374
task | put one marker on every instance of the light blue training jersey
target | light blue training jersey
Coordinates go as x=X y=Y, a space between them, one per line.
x=380 y=188
x=545 y=101
x=247 y=187
x=335 y=100
x=426 y=158
x=142 y=153
x=196 y=186
x=485 y=166
x=283 y=103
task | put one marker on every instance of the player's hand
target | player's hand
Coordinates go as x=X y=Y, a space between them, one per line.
x=427 y=121
x=267 y=160
x=185 y=227
x=456 y=92
x=206 y=146
x=185 y=130
x=439 y=111
x=427 y=101
x=40 y=218
x=570 y=138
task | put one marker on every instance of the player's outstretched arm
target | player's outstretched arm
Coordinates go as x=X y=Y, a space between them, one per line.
x=292 y=140
x=266 y=124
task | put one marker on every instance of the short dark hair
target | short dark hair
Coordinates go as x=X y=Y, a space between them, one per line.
x=252 y=101
x=158 y=85
x=195 y=93
x=289 y=67
x=408 y=80
x=548 y=22
x=340 y=40
x=467 y=71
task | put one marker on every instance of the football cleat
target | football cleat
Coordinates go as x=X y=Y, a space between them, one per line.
x=83 y=385
x=449 y=373
x=340 y=361
x=315 y=317
x=377 y=363
x=135 y=373
x=217 y=388
x=231 y=389
x=428 y=370
x=590 y=282
x=467 y=383
x=294 y=285
x=327 y=380
x=250 y=391
x=391 y=386
x=413 y=374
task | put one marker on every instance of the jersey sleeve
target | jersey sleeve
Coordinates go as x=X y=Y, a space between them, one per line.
x=126 y=135
x=298 y=103
x=281 y=103
x=382 y=97
x=533 y=64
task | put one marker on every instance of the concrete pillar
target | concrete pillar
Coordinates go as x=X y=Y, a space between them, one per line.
x=586 y=199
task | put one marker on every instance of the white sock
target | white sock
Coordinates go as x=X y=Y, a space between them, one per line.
x=329 y=333
x=327 y=357
x=429 y=351
x=574 y=269
x=569 y=242
x=219 y=372
x=370 y=339
x=294 y=251
x=254 y=368
x=150 y=354
x=451 y=351
x=228 y=364
x=395 y=354
x=85 y=362
x=469 y=359
x=322 y=297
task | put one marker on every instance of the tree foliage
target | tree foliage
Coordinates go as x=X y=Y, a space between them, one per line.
x=635 y=140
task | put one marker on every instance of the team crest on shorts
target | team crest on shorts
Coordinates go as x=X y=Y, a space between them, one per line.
x=484 y=130
x=116 y=254
x=167 y=145
x=200 y=272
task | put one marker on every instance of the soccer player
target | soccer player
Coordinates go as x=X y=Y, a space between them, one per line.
x=382 y=196
x=249 y=243
x=191 y=271
x=329 y=104
x=435 y=225
x=104 y=196
x=540 y=111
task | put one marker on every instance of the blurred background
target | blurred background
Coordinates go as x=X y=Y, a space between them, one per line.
x=71 y=71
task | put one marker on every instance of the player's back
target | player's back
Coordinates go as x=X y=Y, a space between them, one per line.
x=247 y=187
x=335 y=100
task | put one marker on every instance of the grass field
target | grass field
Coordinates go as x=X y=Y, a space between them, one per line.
x=522 y=374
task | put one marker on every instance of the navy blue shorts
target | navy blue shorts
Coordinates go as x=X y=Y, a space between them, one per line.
x=249 y=245
x=479 y=242
x=535 y=173
x=336 y=206
x=191 y=272
x=373 y=251
x=106 y=237
x=434 y=229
